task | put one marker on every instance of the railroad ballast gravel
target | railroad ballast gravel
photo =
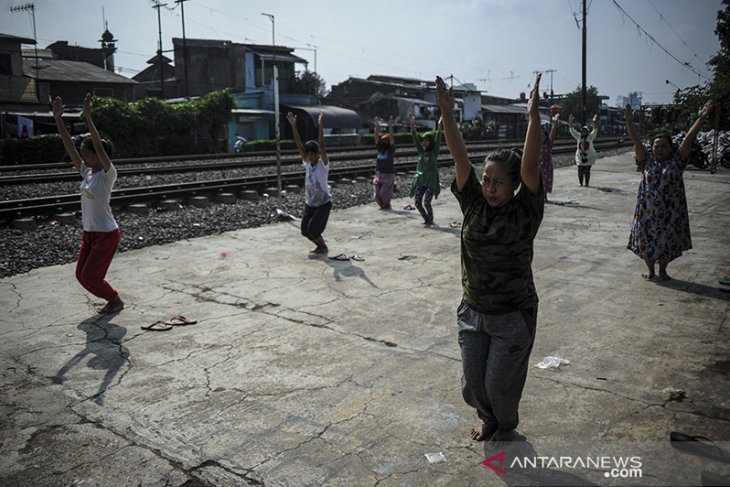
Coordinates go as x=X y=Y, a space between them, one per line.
x=53 y=243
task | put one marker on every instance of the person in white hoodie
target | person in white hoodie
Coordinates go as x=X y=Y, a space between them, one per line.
x=585 y=153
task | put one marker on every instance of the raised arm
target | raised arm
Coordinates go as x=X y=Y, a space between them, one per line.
x=594 y=131
x=322 y=151
x=68 y=144
x=412 y=126
x=571 y=129
x=686 y=145
x=292 y=119
x=454 y=140
x=554 y=128
x=530 y=171
x=106 y=163
x=390 y=131
x=639 y=149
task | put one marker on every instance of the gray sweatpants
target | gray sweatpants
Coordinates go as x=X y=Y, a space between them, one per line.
x=495 y=350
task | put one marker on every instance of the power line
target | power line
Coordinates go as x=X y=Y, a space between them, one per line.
x=650 y=37
x=661 y=17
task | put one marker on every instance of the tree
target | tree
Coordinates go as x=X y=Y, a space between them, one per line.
x=572 y=104
x=720 y=85
x=309 y=83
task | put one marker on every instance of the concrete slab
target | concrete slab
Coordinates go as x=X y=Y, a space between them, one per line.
x=309 y=371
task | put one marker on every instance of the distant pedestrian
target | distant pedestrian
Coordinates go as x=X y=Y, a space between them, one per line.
x=317 y=199
x=384 y=168
x=497 y=316
x=425 y=185
x=240 y=143
x=546 y=156
x=101 y=232
x=585 y=153
x=660 y=229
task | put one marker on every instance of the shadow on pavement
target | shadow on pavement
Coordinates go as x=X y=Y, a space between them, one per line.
x=695 y=288
x=104 y=342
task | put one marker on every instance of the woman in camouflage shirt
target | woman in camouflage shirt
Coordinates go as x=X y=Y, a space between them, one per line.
x=498 y=313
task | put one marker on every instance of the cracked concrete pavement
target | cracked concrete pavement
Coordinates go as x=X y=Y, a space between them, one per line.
x=308 y=371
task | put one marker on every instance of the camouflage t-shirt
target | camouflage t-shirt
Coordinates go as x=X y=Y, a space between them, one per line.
x=496 y=248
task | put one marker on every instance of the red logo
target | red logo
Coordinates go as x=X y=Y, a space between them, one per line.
x=496 y=468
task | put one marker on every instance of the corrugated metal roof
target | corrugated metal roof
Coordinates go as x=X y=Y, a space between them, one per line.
x=22 y=40
x=60 y=70
x=279 y=57
x=504 y=109
x=334 y=117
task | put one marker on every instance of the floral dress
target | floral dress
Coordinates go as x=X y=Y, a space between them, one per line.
x=661 y=224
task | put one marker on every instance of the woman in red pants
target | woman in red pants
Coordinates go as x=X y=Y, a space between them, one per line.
x=101 y=232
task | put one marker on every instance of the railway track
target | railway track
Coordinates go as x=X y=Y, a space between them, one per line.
x=13 y=209
x=223 y=161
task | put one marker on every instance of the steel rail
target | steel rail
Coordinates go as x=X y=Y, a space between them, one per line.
x=53 y=177
x=11 y=209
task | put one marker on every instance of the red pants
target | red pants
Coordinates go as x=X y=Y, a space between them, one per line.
x=95 y=255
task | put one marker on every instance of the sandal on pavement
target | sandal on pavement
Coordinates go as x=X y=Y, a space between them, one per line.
x=158 y=325
x=340 y=257
x=180 y=320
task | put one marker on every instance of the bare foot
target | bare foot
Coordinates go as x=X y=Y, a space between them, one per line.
x=483 y=431
x=648 y=275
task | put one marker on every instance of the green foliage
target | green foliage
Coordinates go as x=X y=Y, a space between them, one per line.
x=688 y=102
x=151 y=127
x=572 y=104
x=719 y=87
x=267 y=145
x=309 y=83
x=43 y=149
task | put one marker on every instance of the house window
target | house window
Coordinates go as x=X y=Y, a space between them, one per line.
x=5 y=65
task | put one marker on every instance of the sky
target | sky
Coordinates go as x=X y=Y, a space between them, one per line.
x=495 y=44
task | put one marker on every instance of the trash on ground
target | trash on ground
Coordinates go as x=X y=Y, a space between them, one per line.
x=552 y=363
x=435 y=457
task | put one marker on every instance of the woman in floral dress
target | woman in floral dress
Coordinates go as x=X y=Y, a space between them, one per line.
x=660 y=230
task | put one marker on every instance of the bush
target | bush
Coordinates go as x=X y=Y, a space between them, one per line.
x=43 y=149
x=151 y=127
x=268 y=145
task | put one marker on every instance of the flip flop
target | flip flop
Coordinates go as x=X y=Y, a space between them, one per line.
x=409 y=207
x=180 y=320
x=158 y=325
x=724 y=282
x=357 y=257
x=339 y=257
x=698 y=445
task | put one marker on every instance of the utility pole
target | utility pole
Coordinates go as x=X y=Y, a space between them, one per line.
x=185 y=46
x=31 y=8
x=159 y=5
x=583 y=102
x=275 y=73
